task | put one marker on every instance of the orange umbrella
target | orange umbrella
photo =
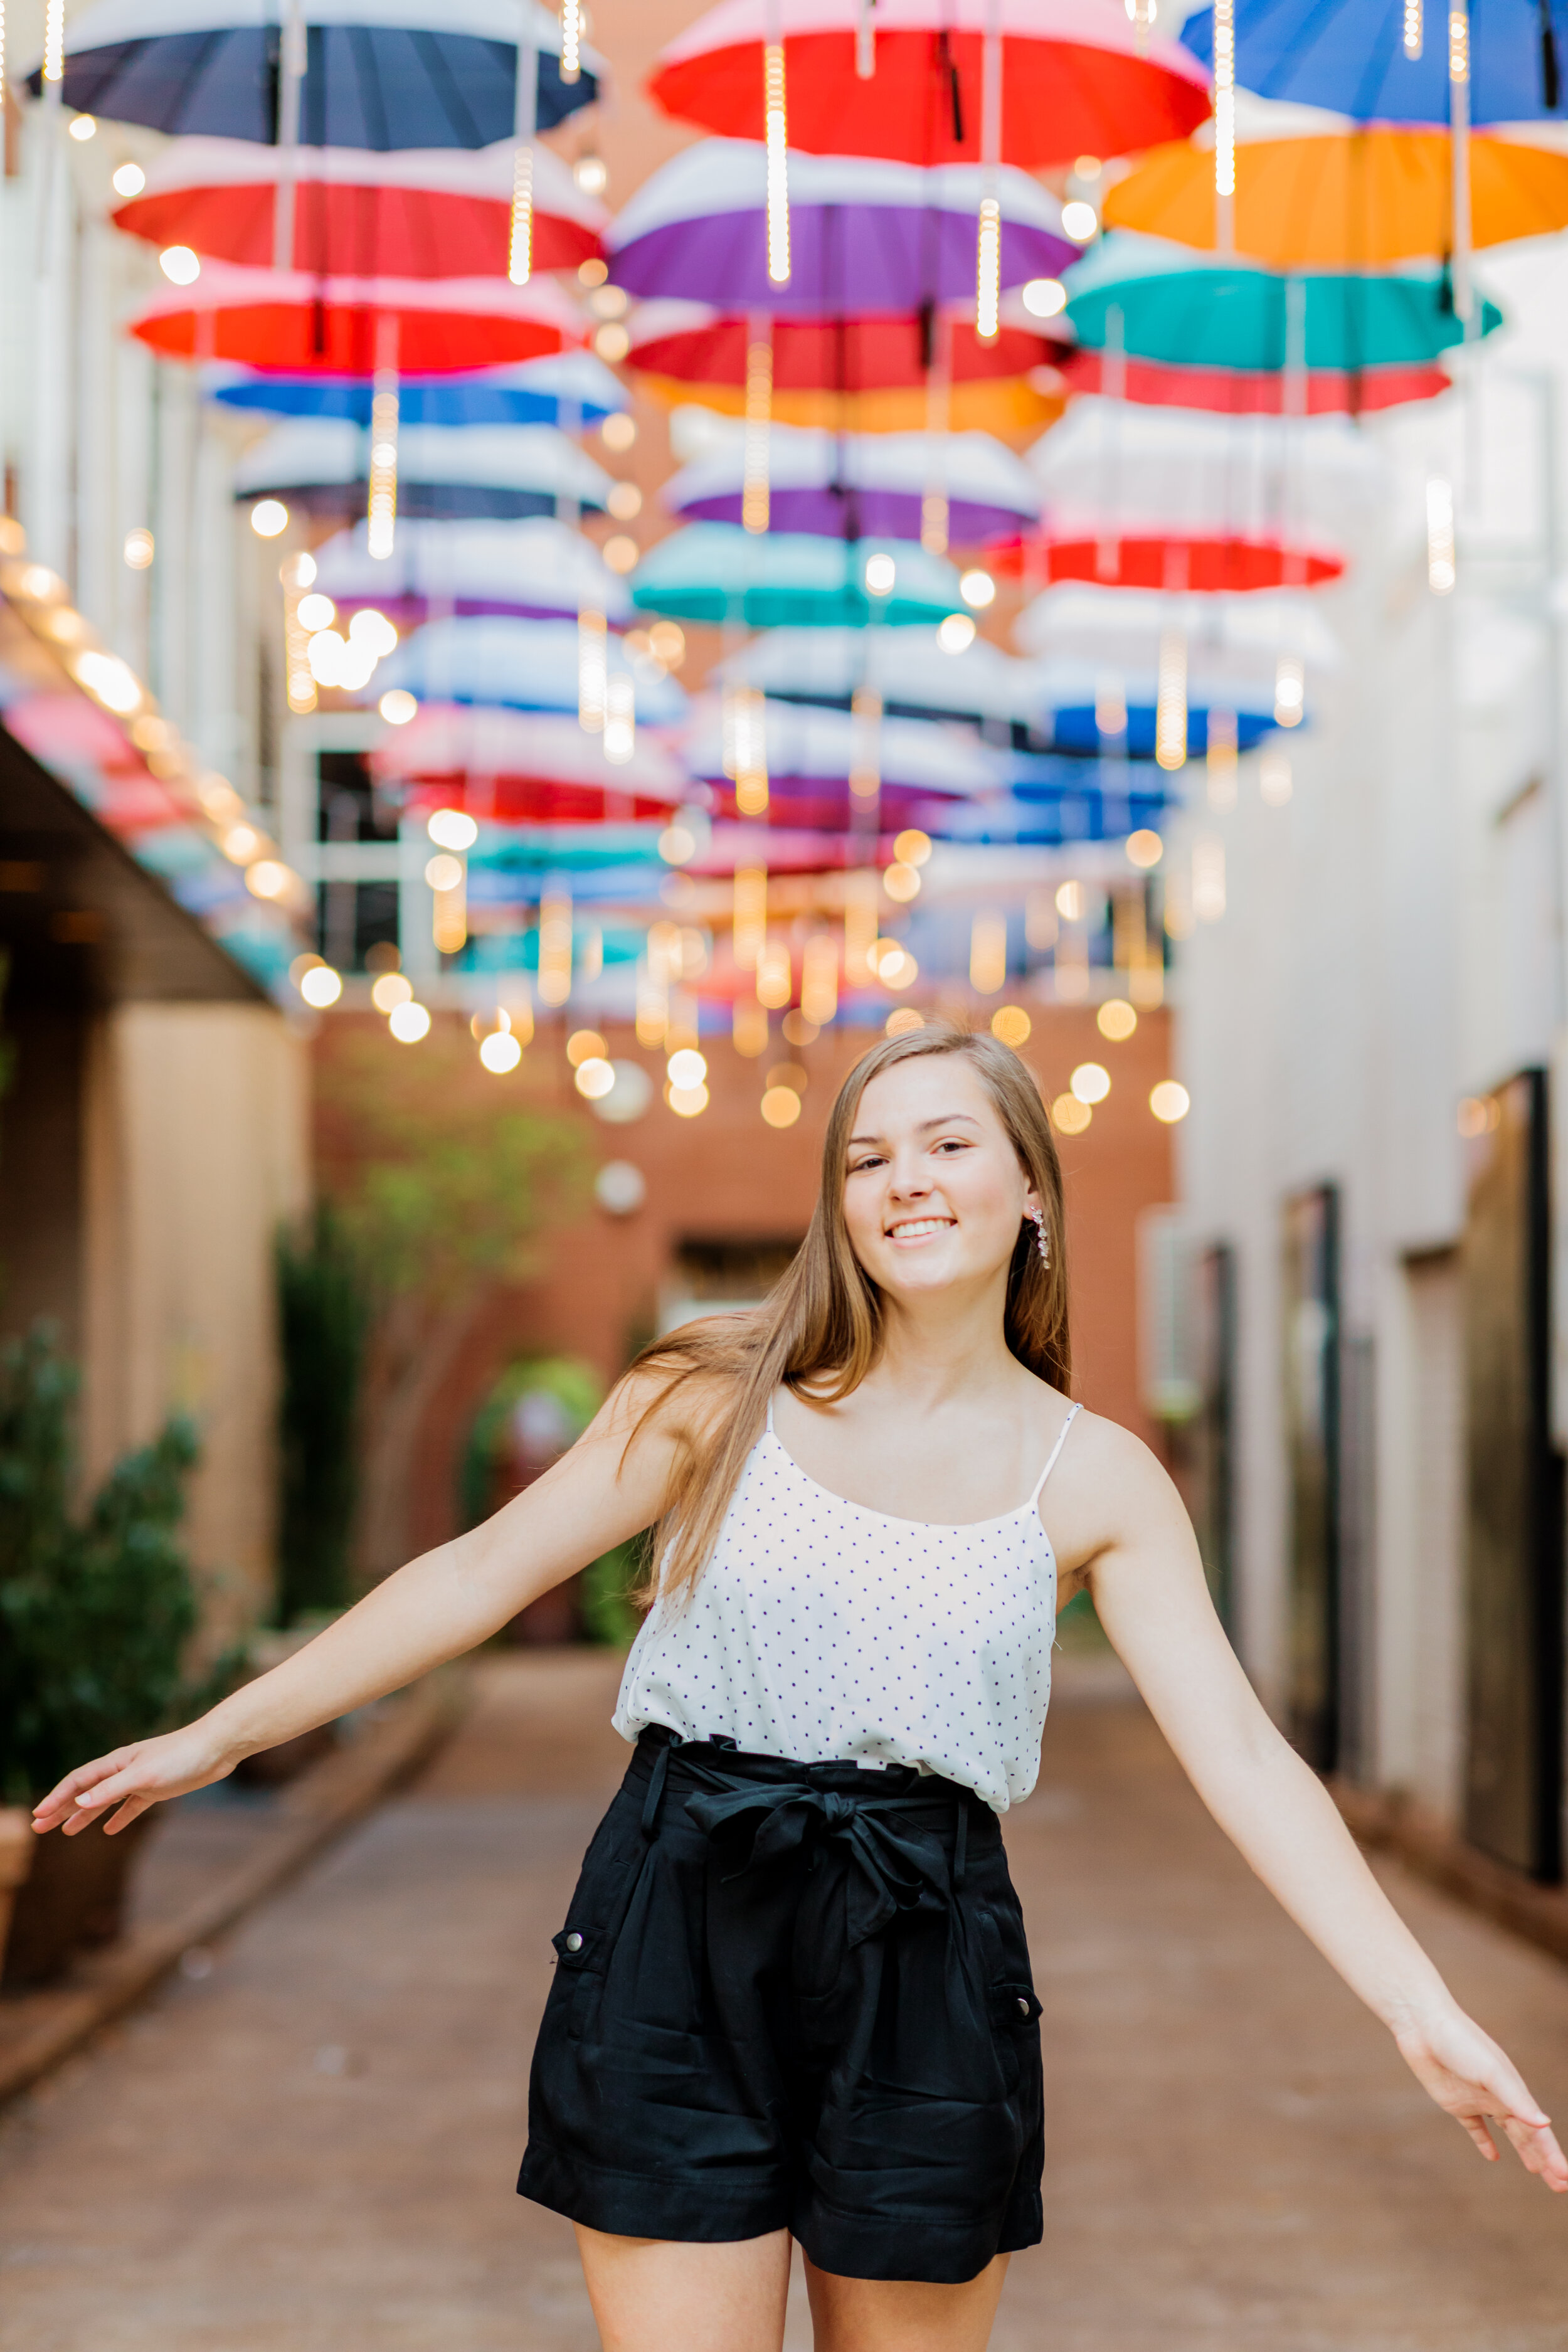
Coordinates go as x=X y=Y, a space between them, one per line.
x=1010 y=406
x=1343 y=194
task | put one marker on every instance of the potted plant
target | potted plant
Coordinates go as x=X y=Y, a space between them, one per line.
x=96 y=1610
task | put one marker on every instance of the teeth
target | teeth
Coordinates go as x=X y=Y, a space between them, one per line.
x=922 y=1225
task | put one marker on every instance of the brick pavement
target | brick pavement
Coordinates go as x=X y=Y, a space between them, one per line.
x=310 y=2148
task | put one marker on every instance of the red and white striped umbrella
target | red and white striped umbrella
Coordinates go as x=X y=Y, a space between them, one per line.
x=443 y=212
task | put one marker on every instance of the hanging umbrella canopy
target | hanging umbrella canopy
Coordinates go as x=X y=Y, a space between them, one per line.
x=809 y=748
x=1012 y=408
x=867 y=235
x=1189 y=310
x=716 y=572
x=694 y=343
x=539 y=568
x=1350 y=54
x=913 y=674
x=287 y=319
x=536 y=767
x=1253 y=391
x=1083 y=634
x=570 y=390
x=1067 y=715
x=1314 y=189
x=1108 y=465
x=1208 y=563
x=378 y=73
x=845 y=486
x=1077 y=78
x=517 y=666
x=438 y=212
x=321 y=463
x=1094 y=806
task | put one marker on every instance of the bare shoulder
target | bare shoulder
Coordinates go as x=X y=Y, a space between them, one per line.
x=677 y=1394
x=1107 y=1489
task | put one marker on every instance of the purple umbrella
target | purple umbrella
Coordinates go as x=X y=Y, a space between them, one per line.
x=866 y=237
x=866 y=485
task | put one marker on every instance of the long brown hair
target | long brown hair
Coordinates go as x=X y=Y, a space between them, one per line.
x=822 y=1329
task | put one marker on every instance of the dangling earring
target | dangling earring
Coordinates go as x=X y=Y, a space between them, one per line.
x=1045 y=1240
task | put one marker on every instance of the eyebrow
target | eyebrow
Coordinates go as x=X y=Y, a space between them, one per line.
x=953 y=1118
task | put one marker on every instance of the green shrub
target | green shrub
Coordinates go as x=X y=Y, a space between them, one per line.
x=95 y=1610
x=323 y=1314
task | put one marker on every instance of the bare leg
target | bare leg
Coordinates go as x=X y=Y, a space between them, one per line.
x=901 y=2316
x=650 y=2295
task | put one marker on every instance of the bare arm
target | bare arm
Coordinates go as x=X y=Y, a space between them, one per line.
x=440 y=1605
x=1149 y=1590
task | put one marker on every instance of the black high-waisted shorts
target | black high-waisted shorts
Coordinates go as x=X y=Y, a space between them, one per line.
x=793 y=1996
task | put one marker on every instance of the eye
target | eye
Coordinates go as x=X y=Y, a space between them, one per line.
x=859 y=1167
x=953 y=1143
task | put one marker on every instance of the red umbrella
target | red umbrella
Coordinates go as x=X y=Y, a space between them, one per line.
x=1233 y=392
x=904 y=78
x=1220 y=565
x=296 y=324
x=415 y=212
x=688 y=342
x=526 y=767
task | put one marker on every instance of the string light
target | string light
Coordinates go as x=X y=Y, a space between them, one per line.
x=1208 y=879
x=382 y=511
x=988 y=953
x=3 y=61
x=749 y=1025
x=864 y=743
x=750 y=917
x=447 y=876
x=525 y=120
x=1222 y=759
x=988 y=265
x=861 y=890
x=865 y=40
x=1289 y=690
x=1143 y=13
x=1458 y=45
x=1413 y=29
x=297 y=573
x=1171 y=708
x=55 y=41
x=1440 y=563
x=775 y=131
x=748 y=750
x=570 y=39
x=774 y=978
x=592 y=671
x=620 y=719
x=820 y=979
x=759 y=412
x=555 y=947
x=1224 y=117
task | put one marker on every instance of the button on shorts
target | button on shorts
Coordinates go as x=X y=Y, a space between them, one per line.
x=794 y=1997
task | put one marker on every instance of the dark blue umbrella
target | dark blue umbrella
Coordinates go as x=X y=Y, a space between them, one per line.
x=575 y=386
x=379 y=74
x=1350 y=55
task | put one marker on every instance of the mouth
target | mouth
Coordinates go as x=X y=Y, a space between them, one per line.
x=919 y=1228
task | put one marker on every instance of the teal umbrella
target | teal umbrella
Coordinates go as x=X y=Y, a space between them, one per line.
x=717 y=571
x=1195 y=309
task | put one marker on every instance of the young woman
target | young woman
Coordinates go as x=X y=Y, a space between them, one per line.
x=793 y=1993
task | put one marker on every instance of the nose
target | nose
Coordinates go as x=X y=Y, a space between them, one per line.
x=910 y=1178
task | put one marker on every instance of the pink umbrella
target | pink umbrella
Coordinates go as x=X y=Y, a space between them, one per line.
x=424 y=213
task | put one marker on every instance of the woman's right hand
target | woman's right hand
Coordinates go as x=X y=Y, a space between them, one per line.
x=137 y=1777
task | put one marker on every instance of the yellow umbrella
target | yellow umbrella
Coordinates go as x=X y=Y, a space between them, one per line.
x=1344 y=195
x=1010 y=406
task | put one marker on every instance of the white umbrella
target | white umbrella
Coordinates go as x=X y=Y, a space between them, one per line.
x=537 y=567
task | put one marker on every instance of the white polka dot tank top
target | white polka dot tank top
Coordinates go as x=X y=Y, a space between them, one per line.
x=826 y=1633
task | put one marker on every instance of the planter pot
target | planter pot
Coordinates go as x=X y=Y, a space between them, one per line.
x=16 y=1843
x=73 y=1895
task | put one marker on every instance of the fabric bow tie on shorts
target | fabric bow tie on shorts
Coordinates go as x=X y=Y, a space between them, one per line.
x=898 y=1867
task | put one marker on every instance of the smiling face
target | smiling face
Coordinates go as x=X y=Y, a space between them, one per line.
x=934 y=1193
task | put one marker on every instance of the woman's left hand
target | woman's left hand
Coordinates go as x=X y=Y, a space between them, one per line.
x=1475 y=2082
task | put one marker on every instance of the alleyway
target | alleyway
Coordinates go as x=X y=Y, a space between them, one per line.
x=310 y=2147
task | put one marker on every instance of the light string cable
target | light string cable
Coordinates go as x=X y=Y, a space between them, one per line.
x=775 y=133
x=525 y=122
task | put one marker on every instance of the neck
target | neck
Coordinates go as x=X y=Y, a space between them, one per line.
x=951 y=1344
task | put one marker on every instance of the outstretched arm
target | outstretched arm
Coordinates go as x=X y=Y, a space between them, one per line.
x=1149 y=1590
x=440 y=1605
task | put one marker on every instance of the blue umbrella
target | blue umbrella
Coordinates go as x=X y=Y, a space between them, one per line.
x=515 y=664
x=1350 y=55
x=378 y=74
x=572 y=387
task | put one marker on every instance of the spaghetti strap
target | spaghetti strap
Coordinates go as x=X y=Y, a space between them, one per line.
x=769 y=1413
x=1073 y=1413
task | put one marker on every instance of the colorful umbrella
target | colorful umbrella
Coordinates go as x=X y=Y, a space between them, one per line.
x=1252 y=392
x=1233 y=643
x=1208 y=566
x=867 y=235
x=345 y=326
x=1010 y=408
x=539 y=570
x=571 y=389
x=1313 y=190
x=534 y=767
x=851 y=487
x=813 y=754
x=1191 y=311
x=716 y=572
x=376 y=73
x=908 y=670
x=417 y=213
x=518 y=666
x=497 y=470
x=1355 y=55
x=904 y=78
x=693 y=344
